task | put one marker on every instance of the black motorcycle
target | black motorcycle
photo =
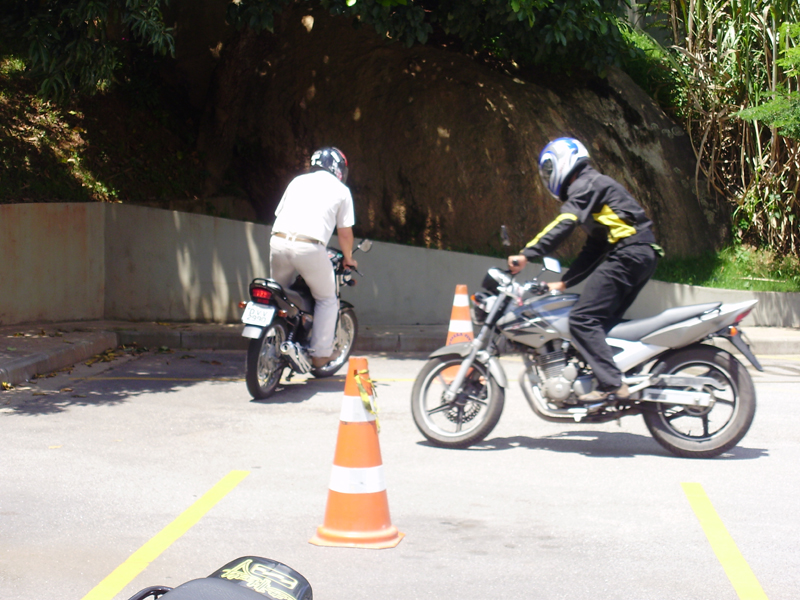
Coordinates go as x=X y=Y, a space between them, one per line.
x=279 y=321
x=246 y=578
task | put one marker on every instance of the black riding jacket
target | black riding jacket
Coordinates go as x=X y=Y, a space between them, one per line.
x=608 y=214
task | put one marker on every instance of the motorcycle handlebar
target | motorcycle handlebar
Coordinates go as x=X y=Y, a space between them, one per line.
x=539 y=288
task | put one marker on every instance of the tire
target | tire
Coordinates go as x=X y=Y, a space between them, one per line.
x=705 y=432
x=478 y=406
x=265 y=363
x=346 y=333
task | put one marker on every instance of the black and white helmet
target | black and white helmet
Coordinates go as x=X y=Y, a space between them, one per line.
x=333 y=160
x=557 y=162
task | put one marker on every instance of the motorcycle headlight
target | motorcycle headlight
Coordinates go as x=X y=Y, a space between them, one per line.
x=494 y=279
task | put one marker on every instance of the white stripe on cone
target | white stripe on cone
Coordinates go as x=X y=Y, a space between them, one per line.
x=347 y=480
x=353 y=410
x=460 y=300
x=459 y=326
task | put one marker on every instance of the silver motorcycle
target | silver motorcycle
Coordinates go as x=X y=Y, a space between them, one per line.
x=697 y=400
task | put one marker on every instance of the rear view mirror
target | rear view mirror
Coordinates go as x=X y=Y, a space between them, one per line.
x=552 y=264
x=365 y=245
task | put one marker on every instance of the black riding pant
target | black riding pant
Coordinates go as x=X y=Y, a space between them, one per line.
x=609 y=292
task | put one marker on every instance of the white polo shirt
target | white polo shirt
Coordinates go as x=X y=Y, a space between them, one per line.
x=312 y=205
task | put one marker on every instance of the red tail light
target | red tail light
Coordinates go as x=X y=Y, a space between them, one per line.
x=741 y=316
x=260 y=295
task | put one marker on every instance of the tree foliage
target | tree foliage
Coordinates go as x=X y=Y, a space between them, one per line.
x=78 y=47
x=783 y=110
x=560 y=34
x=732 y=59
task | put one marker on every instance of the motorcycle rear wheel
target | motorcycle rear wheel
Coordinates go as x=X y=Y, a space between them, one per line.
x=346 y=332
x=466 y=420
x=705 y=432
x=265 y=363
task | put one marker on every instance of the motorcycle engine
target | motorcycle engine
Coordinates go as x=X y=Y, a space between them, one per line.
x=560 y=377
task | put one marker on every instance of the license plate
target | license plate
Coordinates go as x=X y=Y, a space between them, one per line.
x=255 y=314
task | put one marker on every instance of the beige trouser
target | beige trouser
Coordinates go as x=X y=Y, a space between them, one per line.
x=288 y=257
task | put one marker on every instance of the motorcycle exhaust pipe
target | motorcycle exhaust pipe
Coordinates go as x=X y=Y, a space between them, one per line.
x=537 y=402
x=558 y=415
x=296 y=356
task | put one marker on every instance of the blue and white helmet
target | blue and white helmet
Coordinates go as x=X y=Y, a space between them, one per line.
x=558 y=160
x=333 y=160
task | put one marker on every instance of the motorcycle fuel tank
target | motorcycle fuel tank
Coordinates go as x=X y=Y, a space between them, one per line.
x=538 y=320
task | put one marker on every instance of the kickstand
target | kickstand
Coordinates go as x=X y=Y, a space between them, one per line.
x=290 y=375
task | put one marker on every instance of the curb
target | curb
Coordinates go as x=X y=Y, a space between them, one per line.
x=183 y=340
x=22 y=369
x=761 y=347
x=411 y=339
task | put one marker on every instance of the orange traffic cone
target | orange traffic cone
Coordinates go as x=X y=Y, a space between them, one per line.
x=460 y=329
x=357 y=512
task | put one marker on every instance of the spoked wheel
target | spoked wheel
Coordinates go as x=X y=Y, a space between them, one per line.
x=705 y=431
x=265 y=362
x=346 y=332
x=466 y=420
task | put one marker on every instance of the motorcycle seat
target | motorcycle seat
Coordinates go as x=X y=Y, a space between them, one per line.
x=212 y=587
x=300 y=295
x=635 y=330
x=303 y=302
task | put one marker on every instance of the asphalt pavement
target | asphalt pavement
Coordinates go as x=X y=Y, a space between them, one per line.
x=117 y=476
x=32 y=349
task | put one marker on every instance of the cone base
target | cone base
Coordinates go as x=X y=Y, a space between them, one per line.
x=385 y=538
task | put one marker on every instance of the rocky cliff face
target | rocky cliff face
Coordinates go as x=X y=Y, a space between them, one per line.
x=442 y=149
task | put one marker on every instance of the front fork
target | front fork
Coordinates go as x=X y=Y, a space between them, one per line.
x=477 y=346
x=455 y=386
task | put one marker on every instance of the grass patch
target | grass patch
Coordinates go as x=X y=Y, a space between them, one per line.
x=126 y=145
x=734 y=268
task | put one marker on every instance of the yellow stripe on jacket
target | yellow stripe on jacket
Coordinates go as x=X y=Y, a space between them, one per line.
x=553 y=223
x=617 y=228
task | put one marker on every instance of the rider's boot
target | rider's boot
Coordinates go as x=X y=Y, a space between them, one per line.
x=621 y=393
x=320 y=361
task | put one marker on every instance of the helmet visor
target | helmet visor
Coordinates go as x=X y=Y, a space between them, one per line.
x=546 y=171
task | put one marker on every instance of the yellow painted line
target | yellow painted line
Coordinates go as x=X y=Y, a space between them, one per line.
x=138 y=561
x=736 y=568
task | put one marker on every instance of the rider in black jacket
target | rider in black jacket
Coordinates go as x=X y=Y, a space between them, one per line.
x=619 y=257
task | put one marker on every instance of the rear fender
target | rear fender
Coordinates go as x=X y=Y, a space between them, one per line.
x=464 y=348
x=281 y=299
x=252 y=331
x=659 y=364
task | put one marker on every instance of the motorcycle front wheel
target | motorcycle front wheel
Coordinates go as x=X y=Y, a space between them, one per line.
x=705 y=432
x=265 y=363
x=346 y=332
x=466 y=420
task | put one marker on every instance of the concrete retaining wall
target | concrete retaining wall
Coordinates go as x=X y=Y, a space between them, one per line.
x=52 y=262
x=171 y=266
x=111 y=261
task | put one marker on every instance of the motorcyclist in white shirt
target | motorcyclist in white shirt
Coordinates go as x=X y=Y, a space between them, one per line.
x=312 y=206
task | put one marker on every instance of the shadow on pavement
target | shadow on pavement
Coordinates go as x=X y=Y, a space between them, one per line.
x=301 y=389
x=600 y=444
x=160 y=372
